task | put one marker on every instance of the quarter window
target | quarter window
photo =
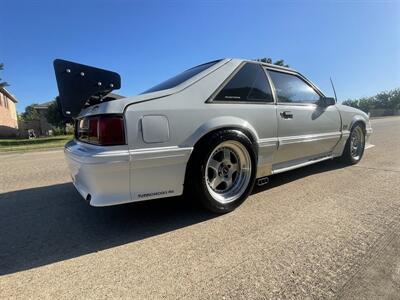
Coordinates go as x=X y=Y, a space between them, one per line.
x=180 y=78
x=292 y=89
x=249 y=84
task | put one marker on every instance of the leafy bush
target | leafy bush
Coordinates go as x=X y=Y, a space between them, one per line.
x=54 y=116
x=383 y=100
x=59 y=131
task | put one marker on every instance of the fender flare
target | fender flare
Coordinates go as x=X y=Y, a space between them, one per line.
x=358 y=118
x=223 y=122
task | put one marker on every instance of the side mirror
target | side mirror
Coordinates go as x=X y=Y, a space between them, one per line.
x=327 y=101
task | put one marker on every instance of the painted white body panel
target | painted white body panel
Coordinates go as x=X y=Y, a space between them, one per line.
x=162 y=129
x=312 y=131
x=100 y=172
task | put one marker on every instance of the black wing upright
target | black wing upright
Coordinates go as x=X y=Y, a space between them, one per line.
x=80 y=85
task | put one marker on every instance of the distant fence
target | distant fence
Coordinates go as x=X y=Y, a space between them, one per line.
x=8 y=132
x=25 y=125
x=36 y=125
x=381 y=112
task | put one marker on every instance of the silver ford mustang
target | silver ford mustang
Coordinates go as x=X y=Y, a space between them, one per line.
x=212 y=131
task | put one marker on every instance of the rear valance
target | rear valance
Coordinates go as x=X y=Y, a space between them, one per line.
x=80 y=86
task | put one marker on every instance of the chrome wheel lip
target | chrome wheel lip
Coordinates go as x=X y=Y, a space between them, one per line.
x=234 y=171
x=357 y=140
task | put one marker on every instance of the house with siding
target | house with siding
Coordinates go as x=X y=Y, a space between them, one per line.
x=40 y=126
x=8 y=114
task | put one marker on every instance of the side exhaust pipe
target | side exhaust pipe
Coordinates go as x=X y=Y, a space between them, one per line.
x=262 y=181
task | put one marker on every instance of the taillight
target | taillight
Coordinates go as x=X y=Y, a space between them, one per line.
x=93 y=130
x=104 y=130
x=111 y=130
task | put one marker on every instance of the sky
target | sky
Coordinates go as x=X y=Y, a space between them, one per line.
x=357 y=43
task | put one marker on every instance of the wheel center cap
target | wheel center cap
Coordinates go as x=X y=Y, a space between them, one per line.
x=225 y=170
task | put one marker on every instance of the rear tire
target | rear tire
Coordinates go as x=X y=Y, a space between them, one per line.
x=355 y=145
x=221 y=172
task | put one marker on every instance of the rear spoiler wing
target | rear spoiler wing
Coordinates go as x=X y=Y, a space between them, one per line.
x=80 y=86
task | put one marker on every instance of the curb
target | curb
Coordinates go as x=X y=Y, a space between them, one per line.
x=45 y=150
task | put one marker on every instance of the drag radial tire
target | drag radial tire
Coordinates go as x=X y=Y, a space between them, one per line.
x=355 y=145
x=222 y=170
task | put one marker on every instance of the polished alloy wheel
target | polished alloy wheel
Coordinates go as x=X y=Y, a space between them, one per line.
x=228 y=171
x=357 y=143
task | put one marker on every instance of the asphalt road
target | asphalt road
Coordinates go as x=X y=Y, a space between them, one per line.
x=322 y=231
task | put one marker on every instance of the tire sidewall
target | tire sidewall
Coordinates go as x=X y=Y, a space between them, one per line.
x=199 y=163
x=350 y=158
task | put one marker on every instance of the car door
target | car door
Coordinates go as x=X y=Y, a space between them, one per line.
x=305 y=129
x=249 y=95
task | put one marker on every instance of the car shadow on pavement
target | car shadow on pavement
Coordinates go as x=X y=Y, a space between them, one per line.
x=286 y=177
x=44 y=225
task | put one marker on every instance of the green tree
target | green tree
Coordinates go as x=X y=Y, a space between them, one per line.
x=265 y=60
x=54 y=116
x=394 y=98
x=30 y=113
x=383 y=100
x=2 y=83
x=268 y=60
x=352 y=103
x=281 y=63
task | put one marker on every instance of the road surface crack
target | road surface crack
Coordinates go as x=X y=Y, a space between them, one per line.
x=378 y=169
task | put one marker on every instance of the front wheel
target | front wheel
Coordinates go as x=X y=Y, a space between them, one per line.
x=222 y=170
x=355 y=145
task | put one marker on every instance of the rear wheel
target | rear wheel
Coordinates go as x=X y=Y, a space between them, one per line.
x=222 y=171
x=355 y=145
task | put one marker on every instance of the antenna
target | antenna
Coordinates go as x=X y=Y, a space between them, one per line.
x=333 y=87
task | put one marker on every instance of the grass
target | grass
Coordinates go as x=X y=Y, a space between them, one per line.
x=9 y=145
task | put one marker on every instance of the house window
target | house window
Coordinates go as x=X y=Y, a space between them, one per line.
x=5 y=102
x=1 y=99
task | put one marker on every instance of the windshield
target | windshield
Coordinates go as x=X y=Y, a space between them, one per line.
x=178 y=79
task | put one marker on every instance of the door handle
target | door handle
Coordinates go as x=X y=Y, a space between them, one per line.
x=286 y=115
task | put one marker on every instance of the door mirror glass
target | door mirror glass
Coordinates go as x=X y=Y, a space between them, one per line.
x=327 y=101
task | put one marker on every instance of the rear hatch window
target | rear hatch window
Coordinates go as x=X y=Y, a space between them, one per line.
x=180 y=78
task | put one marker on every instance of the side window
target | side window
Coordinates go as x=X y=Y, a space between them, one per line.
x=249 y=84
x=290 y=88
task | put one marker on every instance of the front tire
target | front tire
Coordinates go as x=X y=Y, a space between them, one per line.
x=222 y=170
x=355 y=145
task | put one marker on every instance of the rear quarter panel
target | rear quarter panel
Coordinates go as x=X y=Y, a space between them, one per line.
x=189 y=118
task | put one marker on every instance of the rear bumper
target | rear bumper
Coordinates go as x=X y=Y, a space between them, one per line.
x=114 y=175
x=100 y=176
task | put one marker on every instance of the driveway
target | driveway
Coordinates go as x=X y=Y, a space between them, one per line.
x=322 y=231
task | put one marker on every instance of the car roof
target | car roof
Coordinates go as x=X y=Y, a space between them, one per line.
x=265 y=64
